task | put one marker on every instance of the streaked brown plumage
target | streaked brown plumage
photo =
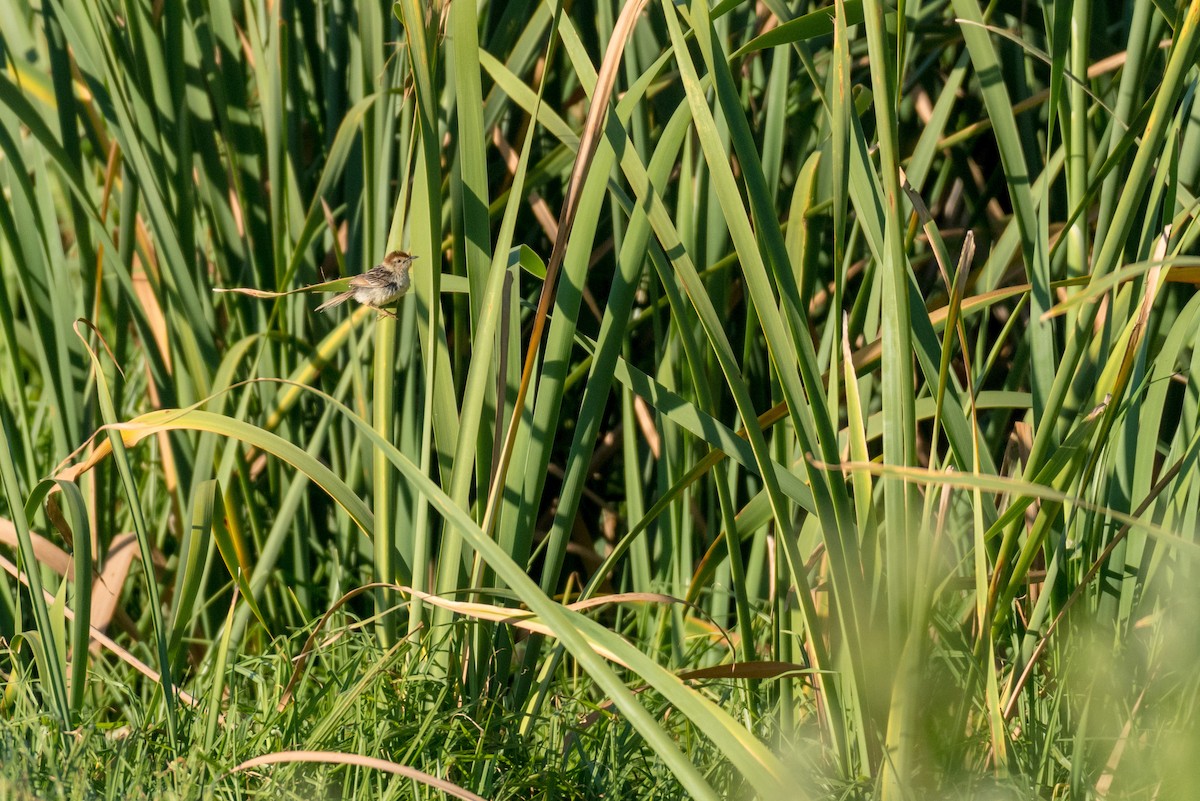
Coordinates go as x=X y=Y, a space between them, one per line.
x=381 y=285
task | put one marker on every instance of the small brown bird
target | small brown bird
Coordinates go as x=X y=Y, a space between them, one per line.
x=383 y=284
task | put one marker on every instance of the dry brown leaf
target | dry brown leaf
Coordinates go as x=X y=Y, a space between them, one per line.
x=356 y=760
x=106 y=590
x=46 y=552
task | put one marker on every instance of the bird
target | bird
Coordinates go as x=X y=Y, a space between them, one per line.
x=383 y=284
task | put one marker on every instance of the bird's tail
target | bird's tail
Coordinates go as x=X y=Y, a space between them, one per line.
x=336 y=300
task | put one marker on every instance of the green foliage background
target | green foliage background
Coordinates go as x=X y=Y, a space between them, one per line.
x=792 y=400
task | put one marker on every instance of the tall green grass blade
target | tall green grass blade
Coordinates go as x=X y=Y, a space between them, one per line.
x=53 y=671
x=145 y=547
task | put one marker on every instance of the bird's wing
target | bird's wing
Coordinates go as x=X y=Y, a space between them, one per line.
x=371 y=279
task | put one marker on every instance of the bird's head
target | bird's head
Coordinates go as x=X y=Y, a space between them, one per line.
x=397 y=260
